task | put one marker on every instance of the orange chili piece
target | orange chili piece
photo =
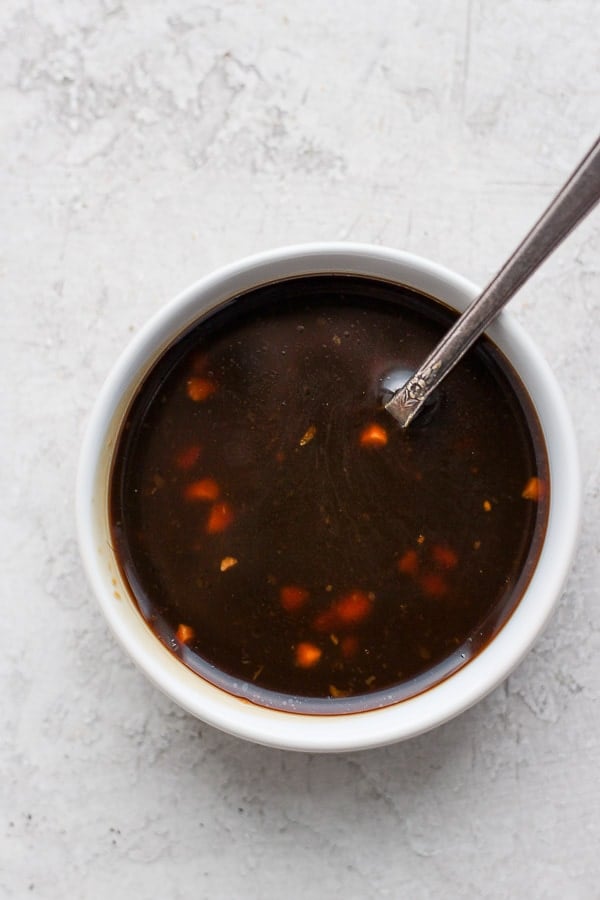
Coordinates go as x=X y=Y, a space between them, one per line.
x=307 y=655
x=353 y=608
x=433 y=584
x=349 y=610
x=219 y=519
x=184 y=633
x=188 y=457
x=444 y=556
x=408 y=564
x=206 y=490
x=535 y=489
x=373 y=435
x=200 y=389
x=349 y=646
x=293 y=597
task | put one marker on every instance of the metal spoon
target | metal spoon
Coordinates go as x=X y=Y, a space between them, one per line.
x=574 y=201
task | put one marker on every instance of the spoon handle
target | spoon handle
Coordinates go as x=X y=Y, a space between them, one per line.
x=574 y=201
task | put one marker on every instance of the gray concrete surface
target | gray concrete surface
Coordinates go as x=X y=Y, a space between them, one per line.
x=142 y=145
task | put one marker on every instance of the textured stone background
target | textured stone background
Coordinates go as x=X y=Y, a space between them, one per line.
x=142 y=145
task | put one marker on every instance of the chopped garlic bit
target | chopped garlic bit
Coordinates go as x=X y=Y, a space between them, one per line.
x=308 y=435
x=337 y=692
x=227 y=563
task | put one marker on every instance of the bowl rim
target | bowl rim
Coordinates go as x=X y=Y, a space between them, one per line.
x=302 y=731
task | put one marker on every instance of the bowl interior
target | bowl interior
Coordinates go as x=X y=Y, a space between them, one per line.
x=288 y=729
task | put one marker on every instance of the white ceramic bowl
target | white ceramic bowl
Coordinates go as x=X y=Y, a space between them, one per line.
x=322 y=732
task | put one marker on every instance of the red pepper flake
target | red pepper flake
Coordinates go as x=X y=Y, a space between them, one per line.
x=373 y=435
x=200 y=389
x=353 y=608
x=205 y=490
x=184 y=633
x=444 y=556
x=349 y=646
x=307 y=655
x=219 y=519
x=433 y=584
x=325 y=620
x=487 y=506
x=345 y=612
x=293 y=597
x=187 y=458
x=535 y=489
x=408 y=564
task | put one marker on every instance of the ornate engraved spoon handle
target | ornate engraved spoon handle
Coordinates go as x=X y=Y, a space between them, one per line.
x=575 y=200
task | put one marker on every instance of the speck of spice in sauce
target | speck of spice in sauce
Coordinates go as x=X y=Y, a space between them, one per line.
x=285 y=538
x=199 y=389
x=308 y=435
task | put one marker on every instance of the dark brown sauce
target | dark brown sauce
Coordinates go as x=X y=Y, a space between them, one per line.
x=285 y=538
